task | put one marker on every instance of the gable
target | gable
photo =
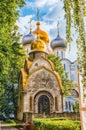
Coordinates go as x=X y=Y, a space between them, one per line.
x=41 y=62
x=44 y=78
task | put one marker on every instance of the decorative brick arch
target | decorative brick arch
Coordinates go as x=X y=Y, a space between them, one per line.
x=38 y=95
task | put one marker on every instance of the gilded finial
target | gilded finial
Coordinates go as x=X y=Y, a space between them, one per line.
x=58 y=28
x=38 y=23
x=30 y=24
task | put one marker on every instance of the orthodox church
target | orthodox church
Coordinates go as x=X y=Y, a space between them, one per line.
x=40 y=86
x=59 y=49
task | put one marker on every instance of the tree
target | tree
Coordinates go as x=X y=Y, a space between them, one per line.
x=75 y=14
x=76 y=107
x=8 y=16
x=67 y=84
x=75 y=11
x=11 y=55
x=9 y=97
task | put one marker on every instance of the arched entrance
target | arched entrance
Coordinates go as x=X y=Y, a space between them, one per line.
x=43 y=104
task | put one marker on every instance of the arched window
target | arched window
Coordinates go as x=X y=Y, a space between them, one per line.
x=69 y=105
x=66 y=105
x=43 y=104
x=64 y=67
x=57 y=53
x=62 y=54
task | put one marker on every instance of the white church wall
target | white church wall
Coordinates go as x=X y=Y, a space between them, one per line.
x=60 y=53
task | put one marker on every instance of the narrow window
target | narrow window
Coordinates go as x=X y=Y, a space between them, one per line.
x=69 y=106
x=64 y=67
x=36 y=64
x=56 y=104
x=66 y=105
x=30 y=103
x=57 y=53
x=62 y=54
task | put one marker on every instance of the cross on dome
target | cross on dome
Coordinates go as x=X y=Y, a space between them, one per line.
x=30 y=24
x=58 y=32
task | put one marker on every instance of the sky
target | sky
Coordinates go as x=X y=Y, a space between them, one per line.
x=51 y=12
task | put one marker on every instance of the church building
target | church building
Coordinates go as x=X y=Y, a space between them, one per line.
x=40 y=86
x=59 y=49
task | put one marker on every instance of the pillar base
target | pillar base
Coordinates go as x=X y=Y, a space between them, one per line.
x=27 y=117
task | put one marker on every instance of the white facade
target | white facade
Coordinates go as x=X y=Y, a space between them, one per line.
x=59 y=52
x=72 y=69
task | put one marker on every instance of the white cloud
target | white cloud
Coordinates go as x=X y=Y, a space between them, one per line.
x=23 y=23
x=55 y=12
x=30 y=4
x=41 y=3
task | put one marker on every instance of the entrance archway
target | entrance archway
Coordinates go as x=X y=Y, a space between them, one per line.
x=43 y=104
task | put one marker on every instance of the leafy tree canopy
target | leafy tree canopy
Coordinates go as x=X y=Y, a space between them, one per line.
x=67 y=84
x=75 y=12
x=11 y=54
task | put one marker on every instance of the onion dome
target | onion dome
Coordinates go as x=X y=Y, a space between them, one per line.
x=42 y=34
x=38 y=44
x=27 y=39
x=58 y=42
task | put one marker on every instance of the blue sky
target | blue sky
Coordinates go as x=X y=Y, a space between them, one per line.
x=51 y=11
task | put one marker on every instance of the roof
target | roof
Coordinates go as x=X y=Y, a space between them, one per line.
x=58 y=42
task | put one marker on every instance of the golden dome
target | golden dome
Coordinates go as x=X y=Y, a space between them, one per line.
x=43 y=35
x=38 y=44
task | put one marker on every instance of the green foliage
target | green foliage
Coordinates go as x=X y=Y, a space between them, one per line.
x=59 y=118
x=74 y=14
x=8 y=16
x=9 y=97
x=57 y=64
x=76 y=106
x=67 y=84
x=11 y=55
x=10 y=121
x=49 y=124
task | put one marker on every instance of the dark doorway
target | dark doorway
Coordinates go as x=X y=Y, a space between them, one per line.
x=43 y=104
